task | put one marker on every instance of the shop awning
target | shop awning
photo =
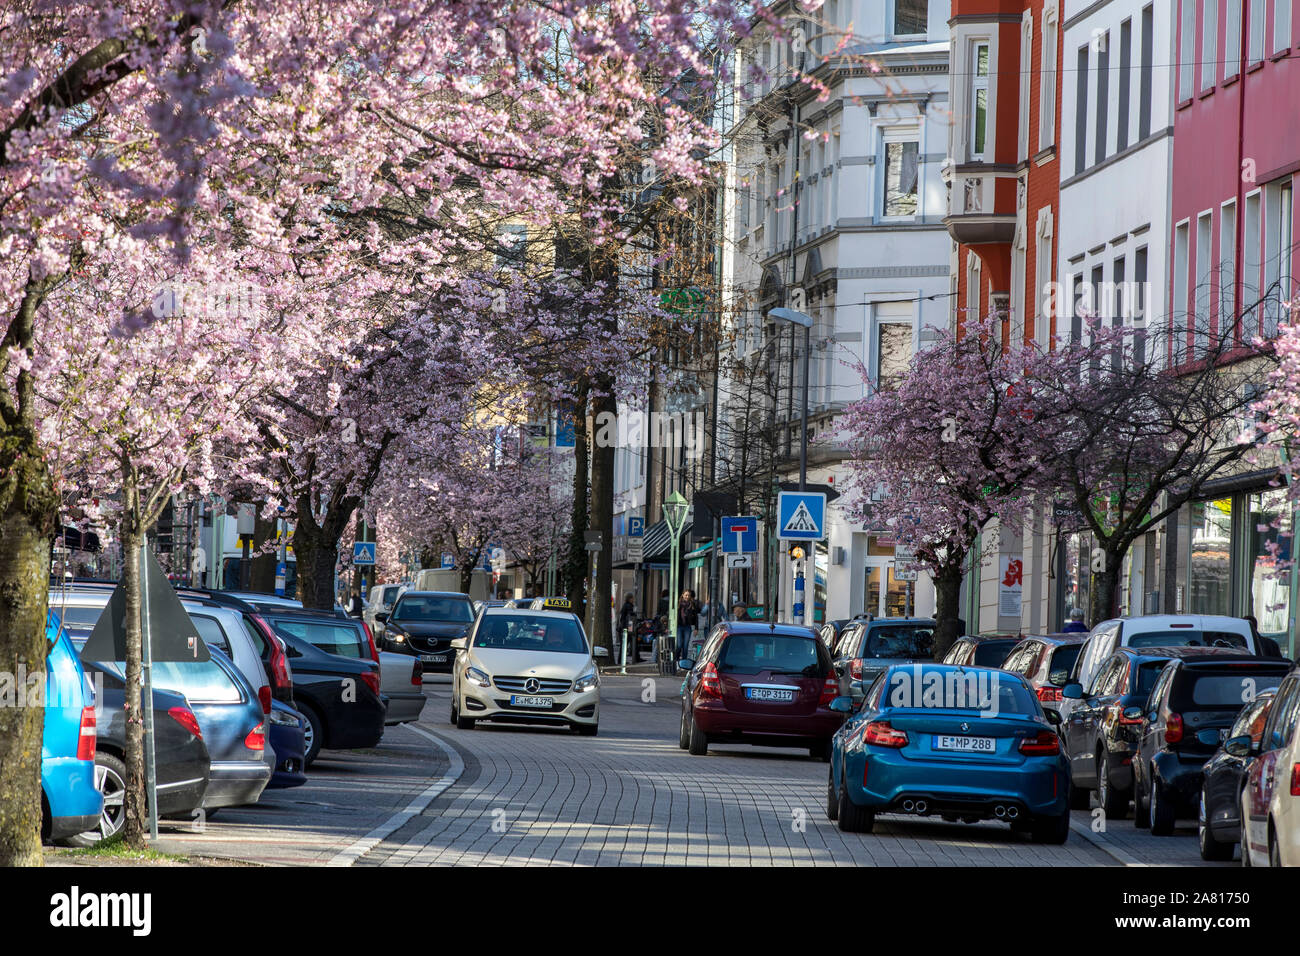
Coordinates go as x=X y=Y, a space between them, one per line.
x=656 y=540
x=702 y=550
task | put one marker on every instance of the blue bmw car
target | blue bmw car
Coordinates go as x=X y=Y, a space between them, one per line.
x=965 y=743
x=69 y=801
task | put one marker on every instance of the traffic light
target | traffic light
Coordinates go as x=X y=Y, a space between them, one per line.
x=796 y=552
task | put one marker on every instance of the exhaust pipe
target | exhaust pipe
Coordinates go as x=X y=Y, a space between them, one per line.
x=921 y=806
x=908 y=806
x=1013 y=812
x=1000 y=811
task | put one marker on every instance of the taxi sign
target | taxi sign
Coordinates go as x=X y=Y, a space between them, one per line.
x=557 y=603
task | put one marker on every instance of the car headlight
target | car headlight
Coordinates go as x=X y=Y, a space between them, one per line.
x=284 y=719
x=588 y=681
x=476 y=676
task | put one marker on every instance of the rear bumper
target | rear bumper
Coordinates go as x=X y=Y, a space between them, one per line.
x=63 y=827
x=1038 y=789
x=1182 y=779
x=404 y=708
x=236 y=782
x=181 y=796
x=779 y=730
x=69 y=788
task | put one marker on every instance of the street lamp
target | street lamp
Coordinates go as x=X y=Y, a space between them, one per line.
x=675 y=514
x=806 y=320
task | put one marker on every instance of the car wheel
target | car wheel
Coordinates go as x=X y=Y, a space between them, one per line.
x=1141 y=816
x=697 y=741
x=313 y=734
x=1114 y=803
x=463 y=722
x=683 y=732
x=587 y=730
x=832 y=803
x=853 y=818
x=1161 y=810
x=1079 y=799
x=821 y=751
x=455 y=711
x=1051 y=829
x=1274 y=851
x=110 y=780
x=1242 y=839
x=1211 y=848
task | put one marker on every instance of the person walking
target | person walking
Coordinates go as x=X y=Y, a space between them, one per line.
x=738 y=613
x=627 y=623
x=688 y=618
x=1077 y=624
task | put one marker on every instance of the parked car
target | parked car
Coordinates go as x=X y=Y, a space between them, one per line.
x=1045 y=661
x=226 y=629
x=1101 y=735
x=868 y=648
x=70 y=802
x=765 y=684
x=1189 y=713
x=830 y=632
x=288 y=740
x=1218 y=818
x=180 y=755
x=980 y=650
x=526 y=667
x=904 y=751
x=336 y=682
x=401 y=680
x=424 y=623
x=559 y=603
x=1270 y=801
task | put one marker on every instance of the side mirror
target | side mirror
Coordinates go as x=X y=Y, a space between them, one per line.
x=600 y=652
x=1053 y=716
x=686 y=664
x=460 y=643
x=842 y=705
x=381 y=617
x=1072 y=691
x=1239 y=746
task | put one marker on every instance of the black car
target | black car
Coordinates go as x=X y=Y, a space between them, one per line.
x=1192 y=706
x=424 y=623
x=1218 y=818
x=981 y=650
x=1100 y=734
x=180 y=755
x=335 y=679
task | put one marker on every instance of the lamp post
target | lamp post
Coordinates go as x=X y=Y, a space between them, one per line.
x=806 y=320
x=675 y=515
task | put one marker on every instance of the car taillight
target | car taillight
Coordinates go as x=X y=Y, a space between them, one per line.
x=880 y=733
x=372 y=680
x=417 y=674
x=264 y=696
x=1173 y=728
x=370 y=636
x=855 y=668
x=86 y=737
x=185 y=717
x=710 y=682
x=1045 y=744
x=1295 y=780
x=280 y=677
x=830 y=690
x=1049 y=694
x=256 y=739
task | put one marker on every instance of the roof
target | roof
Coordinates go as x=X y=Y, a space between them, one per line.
x=766 y=627
x=442 y=594
x=1198 y=653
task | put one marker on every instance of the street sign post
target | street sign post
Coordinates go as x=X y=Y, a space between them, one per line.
x=903 y=556
x=363 y=553
x=801 y=516
x=740 y=535
x=735 y=561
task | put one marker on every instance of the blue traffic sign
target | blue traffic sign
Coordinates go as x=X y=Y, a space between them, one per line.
x=740 y=535
x=801 y=516
x=363 y=552
x=448 y=561
x=636 y=527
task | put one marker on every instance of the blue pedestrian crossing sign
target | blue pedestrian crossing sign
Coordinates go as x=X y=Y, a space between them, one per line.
x=448 y=560
x=363 y=552
x=801 y=516
x=740 y=535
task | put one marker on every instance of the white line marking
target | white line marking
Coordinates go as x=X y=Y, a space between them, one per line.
x=1121 y=855
x=455 y=767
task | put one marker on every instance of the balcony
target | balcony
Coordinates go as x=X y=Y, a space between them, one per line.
x=982 y=203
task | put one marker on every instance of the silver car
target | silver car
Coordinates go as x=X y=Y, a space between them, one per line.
x=401 y=678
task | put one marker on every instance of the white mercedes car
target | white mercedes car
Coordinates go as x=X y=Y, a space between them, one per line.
x=522 y=666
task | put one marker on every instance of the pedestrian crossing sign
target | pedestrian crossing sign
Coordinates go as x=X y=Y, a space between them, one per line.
x=801 y=516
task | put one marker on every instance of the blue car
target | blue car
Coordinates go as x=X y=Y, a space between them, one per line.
x=70 y=804
x=966 y=743
x=288 y=738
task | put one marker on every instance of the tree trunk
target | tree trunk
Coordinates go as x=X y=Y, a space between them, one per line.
x=575 y=566
x=262 y=576
x=602 y=520
x=136 y=807
x=318 y=556
x=26 y=524
x=466 y=578
x=1105 y=588
x=947 y=587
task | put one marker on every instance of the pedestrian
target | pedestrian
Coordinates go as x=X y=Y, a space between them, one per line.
x=738 y=613
x=1077 y=624
x=356 y=606
x=688 y=618
x=627 y=622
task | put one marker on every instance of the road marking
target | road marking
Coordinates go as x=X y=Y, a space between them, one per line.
x=1122 y=856
x=455 y=767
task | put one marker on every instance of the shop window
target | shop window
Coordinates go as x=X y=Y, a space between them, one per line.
x=1270 y=549
x=1209 y=564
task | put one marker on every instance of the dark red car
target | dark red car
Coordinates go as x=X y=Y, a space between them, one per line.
x=758 y=683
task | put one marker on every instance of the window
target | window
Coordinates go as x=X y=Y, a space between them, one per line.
x=1103 y=96
x=1210 y=545
x=1044 y=274
x=1139 y=303
x=910 y=17
x=1227 y=267
x=1231 y=37
x=1251 y=238
x=901 y=176
x=1187 y=50
x=1047 y=82
x=1081 y=112
x=1209 y=44
x=1204 y=273
x=1144 y=79
x=1125 y=68
x=1026 y=80
x=893 y=353
x=1281 y=25
x=979 y=101
x=1256 y=49
x=512 y=245
x=972 y=286
x=1181 y=238
x=1277 y=266
x=1080 y=306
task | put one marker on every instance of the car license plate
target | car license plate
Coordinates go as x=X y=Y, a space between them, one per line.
x=979 y=745
x=769 y=693
x=434 y=658
x=517 y=701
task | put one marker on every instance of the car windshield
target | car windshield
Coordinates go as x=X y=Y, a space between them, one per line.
x=901 y=640
x=781 y=653
x=992 y=653
x=1187 y=637
x=202 y=682
x=390 y=594
x=81 y=617
x=531 y=632
x=449 y=610
x=331 y=635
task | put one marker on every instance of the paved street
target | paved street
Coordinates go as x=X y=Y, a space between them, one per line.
x=628 y=797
